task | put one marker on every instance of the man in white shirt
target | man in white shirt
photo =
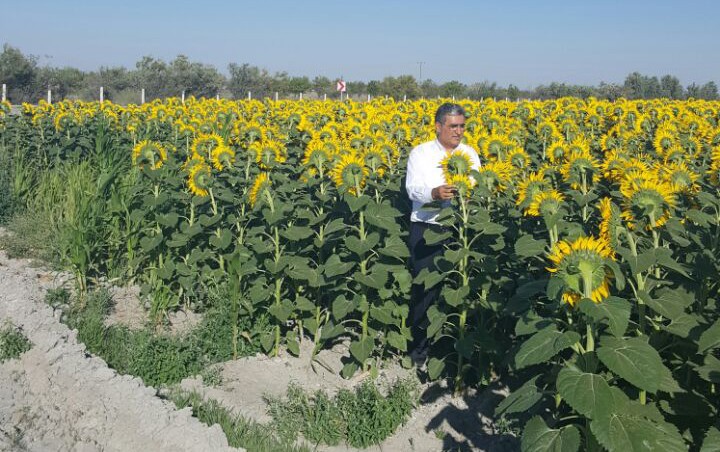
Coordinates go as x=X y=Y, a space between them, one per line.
x=426 y=183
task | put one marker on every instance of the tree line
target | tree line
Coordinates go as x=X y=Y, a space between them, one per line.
x=27 y=81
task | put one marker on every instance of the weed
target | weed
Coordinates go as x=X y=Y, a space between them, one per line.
x=240 y=432
x=57 y=298
x=361 y=418
x=212 y=376
x=12 y=342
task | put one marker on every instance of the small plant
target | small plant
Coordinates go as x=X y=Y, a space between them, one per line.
x=361 y=417
x=212 y=376
x=240 y=432
x=12 y=342
x=57 y=298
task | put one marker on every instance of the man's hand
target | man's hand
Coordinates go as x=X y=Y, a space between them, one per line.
x=443 y=192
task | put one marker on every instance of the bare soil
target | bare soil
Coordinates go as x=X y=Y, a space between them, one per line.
x=58 y=397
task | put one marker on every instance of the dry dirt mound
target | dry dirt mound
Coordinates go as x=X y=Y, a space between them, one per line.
x=56 y=397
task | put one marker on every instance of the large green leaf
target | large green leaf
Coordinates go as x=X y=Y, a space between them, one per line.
x=712 y=441
x=362 y=349
x=435 y=367
x=682 y=325
x=634 y=360
x=360 y=247
x=670 y=303
x=428 y=278
x=433 y=238
x=527 y=246
x=295 y=233
x=455 y=297
x=613 y=310
x=522 y=399
x=624 y=432
x=711 y=370
x=395 y=247
x=341 y=307
x=397 y=340
x=530 y=323
x=376 y=279
x=382 y=216
x=520 y=301
x=538 y=437
x=710 y=338
x=334 y=266
x=587 y=393
x=543 y=345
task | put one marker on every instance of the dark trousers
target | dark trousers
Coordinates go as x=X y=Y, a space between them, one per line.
x=422 y=256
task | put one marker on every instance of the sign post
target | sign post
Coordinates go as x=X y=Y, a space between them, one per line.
x=340 y=87
x=4 y=92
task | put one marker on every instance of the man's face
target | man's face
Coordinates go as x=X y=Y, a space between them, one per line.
x=450 y=133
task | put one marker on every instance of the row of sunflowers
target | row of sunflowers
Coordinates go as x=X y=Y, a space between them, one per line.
x=582 y=266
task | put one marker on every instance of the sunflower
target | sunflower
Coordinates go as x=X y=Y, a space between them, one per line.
x=495 y=176
x=261 y=182
x=680 y=176
x=375 y=161
x=205 y=143
x=222 y=157
x=546 y=202
x=665 y=138
x=582 y=267
x=714 y=170
x=580 y=169
x=463 y=183
x=518 y=158
x=557 y=151
x=455 y=163
x=269 y=153
x=532 y=184
x=610 y=214
x=149 y=152
x=349 y=173
x=648 y=201
x=199 y=178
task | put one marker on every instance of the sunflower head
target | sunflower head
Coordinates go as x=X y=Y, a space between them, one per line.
x=527 y=188
x=463 y=183
x=375 y=161
x=149 y=153
x=714 y=170
x=199 y=178
x=495 y=176
x=259 y=186
x=222 y=157
x=582 y=266
x=610 y=222
x=647 y=202
x=580 y=168
x=456 y=163
x=350 y=173
x=545 y=203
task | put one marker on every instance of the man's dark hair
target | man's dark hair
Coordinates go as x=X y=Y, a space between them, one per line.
x=448 y=109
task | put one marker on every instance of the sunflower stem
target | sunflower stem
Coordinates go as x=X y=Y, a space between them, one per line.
x=589 y=339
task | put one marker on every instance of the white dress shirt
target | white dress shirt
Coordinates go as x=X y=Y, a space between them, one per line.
x=424 y=173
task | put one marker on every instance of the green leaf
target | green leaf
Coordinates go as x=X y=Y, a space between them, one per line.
x=712 y=441
x=334 y=266
x=531 y=323
x=382 y=216
x=341 y=307
x=305 y=305
x=267 y=341
x=292 y=343
x=376 y=279
x=395 y=247
x=711 y=370
x=682 y=325
x=435 y=368
x=538 y=437
x=383 y=314
x=360 y=247
x=281 y=312
x=520 y=400
x=627 y=433
x=670 y=303
x=587 y=393
x=543 y=345
x=223 y=241
x=428 y=278
x=433 y=238
x=634 y=360
x=168 y=220
x=710 y=338
x=362 y=349
x=397 y=340
x=349 y=369
x=520 y=301
x=700 y=218
x=295 y=233
x=613 y=310
x=527 y=246
x=665 y=259
x=455 y=297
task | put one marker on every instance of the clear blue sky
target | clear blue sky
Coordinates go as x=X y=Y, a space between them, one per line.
x=521 y=42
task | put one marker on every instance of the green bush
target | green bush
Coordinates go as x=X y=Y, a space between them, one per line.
x=12 y=342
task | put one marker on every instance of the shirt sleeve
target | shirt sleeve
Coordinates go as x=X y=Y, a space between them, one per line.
x=417 y=188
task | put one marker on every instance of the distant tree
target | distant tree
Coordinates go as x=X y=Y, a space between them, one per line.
x=609 y=91
x=513 y=92
x=453 y=88
x=299 y=85
x=671 y=88
x=65 y=82
x=322 y=86
x=152 y=74
x=373 y=88
x=245 y=78
x=709 y=91
x=429 y=88
x=398 y=87
x=638 y=86
x=19 y=72
x=356 y=88
x=483 y=90
x=196 y=79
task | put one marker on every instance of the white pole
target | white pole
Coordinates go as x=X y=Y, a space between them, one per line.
x=249 y=95
x=325 y=96
x=453 y=98
x=217 y=97
x=276 y=96
x=142 y=96
x=102 y=95
x=49 y=98
x=4 y=92
x=368 y=98
x=404 y=97
x=300 y=96
x=183 y=97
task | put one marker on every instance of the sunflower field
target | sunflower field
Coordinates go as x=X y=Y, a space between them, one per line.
x=582 y=265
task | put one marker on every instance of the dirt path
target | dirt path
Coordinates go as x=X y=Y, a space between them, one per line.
x=56 y=397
